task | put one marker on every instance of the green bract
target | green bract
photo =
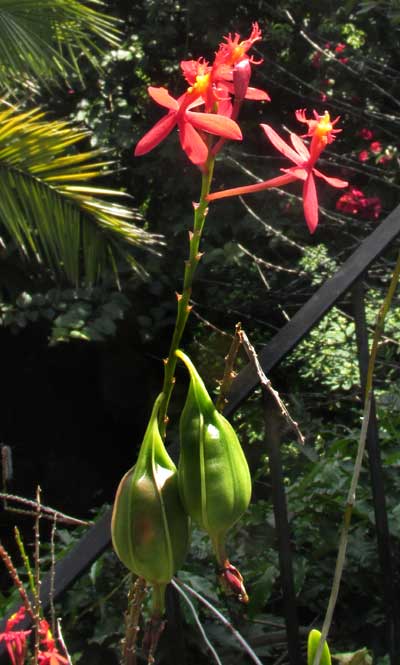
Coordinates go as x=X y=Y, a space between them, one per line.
x=214 y=478
x=150 y=530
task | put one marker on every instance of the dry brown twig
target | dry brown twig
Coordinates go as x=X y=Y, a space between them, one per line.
x=53 y=573
x=132 y=617
x=229 y=373
x=36 y=594
x=266 y=383
x=46 y=512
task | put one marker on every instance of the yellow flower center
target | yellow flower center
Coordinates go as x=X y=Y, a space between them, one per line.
x=201 y=84
x=238 y=53
x=324 y=125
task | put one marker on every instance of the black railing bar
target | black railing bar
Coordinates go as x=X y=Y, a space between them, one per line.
x=313 y=311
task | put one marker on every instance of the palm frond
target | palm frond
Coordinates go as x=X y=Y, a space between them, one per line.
x=50 y=208
x=44 y=40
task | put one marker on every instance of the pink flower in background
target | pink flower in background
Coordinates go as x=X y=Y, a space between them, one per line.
x=375 y=147
x=363 y=156
x=354 y=202
x=384 y=159
x=340 y=48
x=366 y=134
x=316 y=59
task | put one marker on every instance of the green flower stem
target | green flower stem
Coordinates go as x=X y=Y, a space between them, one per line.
x=200 y=212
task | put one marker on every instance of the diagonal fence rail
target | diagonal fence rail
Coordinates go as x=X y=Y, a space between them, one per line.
x=97 y=538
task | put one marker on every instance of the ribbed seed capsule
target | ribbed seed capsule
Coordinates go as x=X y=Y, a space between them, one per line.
x=214 y=478
x=150 y=529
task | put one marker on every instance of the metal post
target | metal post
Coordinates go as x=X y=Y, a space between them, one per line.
x=377 y=485
x=273 y=434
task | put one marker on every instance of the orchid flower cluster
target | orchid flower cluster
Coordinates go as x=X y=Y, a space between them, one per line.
x=210 y=87
x=217 y=92
x=16 y=641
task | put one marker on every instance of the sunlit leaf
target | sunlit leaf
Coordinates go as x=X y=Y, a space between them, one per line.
x=73 y=229
x=44 y=40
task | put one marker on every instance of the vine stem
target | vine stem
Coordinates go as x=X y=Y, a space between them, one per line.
x=183 y=311
x=341 y=556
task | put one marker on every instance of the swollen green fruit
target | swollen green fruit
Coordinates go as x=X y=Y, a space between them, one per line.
x=150 y=529
x=214 y=478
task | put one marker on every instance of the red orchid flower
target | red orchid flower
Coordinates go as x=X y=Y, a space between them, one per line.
x=15 y=640
x=321 y=131
x=188 y=123
x=211 y=86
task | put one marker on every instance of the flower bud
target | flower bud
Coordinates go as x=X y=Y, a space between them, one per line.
x=150 y=529
x=241 y=78
x=214 y=478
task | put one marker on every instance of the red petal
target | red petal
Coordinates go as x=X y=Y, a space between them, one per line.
x=225 y=107
x=299 y=146
x=156 y=134
x=192 y=143
x=334 y=182
x=215 y=124
x=281 y=145
x=162 y=97
x=248 y=189
x=299 y=173
x=257 y=94
x=197 y=102
x=310 y=203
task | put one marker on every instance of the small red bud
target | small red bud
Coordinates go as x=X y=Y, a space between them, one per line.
x=232 y=581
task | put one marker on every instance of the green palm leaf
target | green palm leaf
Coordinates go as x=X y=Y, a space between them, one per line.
x=49 y=207
x=44 y=40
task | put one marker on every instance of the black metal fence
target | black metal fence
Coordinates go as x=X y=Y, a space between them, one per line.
x=348 y=277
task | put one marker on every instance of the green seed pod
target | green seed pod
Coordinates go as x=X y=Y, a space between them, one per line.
x=150 y=529
x=313 y=642
x=214 y=478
